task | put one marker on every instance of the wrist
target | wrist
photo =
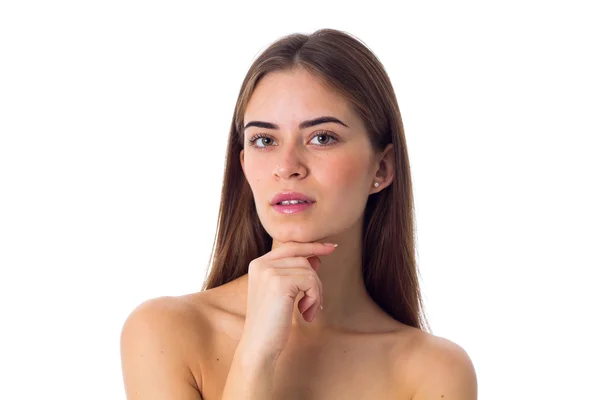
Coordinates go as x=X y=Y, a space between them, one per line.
x=253 y=357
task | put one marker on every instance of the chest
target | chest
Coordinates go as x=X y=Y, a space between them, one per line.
x=333 y=369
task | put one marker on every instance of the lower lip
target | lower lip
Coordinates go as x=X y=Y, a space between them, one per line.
x=292 y=208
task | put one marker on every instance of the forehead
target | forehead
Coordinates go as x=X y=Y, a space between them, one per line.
x=287 y=97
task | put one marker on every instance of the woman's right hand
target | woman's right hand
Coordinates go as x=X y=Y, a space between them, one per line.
x=274 y=282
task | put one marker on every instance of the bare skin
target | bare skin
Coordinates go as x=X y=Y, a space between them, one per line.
x=354 y=364
x=333 y=364
x=183 y=347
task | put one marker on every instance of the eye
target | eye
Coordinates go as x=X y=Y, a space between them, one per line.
x=324 y=139
x=325 y=136
x=258 y=138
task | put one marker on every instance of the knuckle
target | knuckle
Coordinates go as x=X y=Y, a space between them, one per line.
x=254 y=268
x=252 y=264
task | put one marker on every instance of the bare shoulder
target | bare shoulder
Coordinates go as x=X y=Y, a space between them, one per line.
x=157 y=339
x=165 y=341
x=441 y=369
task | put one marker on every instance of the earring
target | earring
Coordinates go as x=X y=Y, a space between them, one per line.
x=376 y=184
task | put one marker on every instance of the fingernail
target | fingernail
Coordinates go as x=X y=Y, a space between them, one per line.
x=331 y=244
x=321 y=306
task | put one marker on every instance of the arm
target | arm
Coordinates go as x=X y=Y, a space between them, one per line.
x=449 y=374
x=151 y=356
x=250 y=376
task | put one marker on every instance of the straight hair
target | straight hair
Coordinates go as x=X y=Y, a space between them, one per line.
x=347 y=66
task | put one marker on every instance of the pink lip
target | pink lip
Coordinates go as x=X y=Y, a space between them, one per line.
x=292 y=208
x=291 y=196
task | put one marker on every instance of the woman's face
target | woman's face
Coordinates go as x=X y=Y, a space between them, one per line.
x=337 y=171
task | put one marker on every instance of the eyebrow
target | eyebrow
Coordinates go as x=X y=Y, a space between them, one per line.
x=303 y=124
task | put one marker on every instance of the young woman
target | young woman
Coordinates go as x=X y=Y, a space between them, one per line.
x=313 y=291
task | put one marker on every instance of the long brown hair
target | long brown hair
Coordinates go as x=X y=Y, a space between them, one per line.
x=347 y=66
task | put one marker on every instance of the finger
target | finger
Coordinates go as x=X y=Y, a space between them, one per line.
x=296 y=249
x=302 y=271
x=315 y=262
x=291 y=262
x=296 y=270
x=303 y=304
x=309 y=314
x=310 y=285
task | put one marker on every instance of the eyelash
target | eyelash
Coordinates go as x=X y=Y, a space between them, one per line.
x=319 y=133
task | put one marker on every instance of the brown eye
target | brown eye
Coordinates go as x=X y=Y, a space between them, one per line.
x=324 y=139
x=260 y=138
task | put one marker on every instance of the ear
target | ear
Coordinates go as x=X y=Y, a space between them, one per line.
x=385 y=171
x=242 y=160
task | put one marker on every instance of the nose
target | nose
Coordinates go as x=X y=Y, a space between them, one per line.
x=290 y=164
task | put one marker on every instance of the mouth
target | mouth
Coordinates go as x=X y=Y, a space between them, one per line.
x=292 y=206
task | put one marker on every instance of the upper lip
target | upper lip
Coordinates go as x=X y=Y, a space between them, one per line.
x=290 y=196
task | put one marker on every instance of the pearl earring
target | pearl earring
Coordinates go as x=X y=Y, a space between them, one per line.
x=376 y=184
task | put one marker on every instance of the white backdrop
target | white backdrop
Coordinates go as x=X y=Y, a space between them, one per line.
x=114 y=117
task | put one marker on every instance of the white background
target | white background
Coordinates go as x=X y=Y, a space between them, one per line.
x=114 y=117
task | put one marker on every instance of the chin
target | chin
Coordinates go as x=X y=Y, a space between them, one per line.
x=283 y=237
x=293 y=234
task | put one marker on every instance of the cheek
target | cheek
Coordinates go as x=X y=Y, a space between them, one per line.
x=252 y=170
x=256 y=175
x=343 y=173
